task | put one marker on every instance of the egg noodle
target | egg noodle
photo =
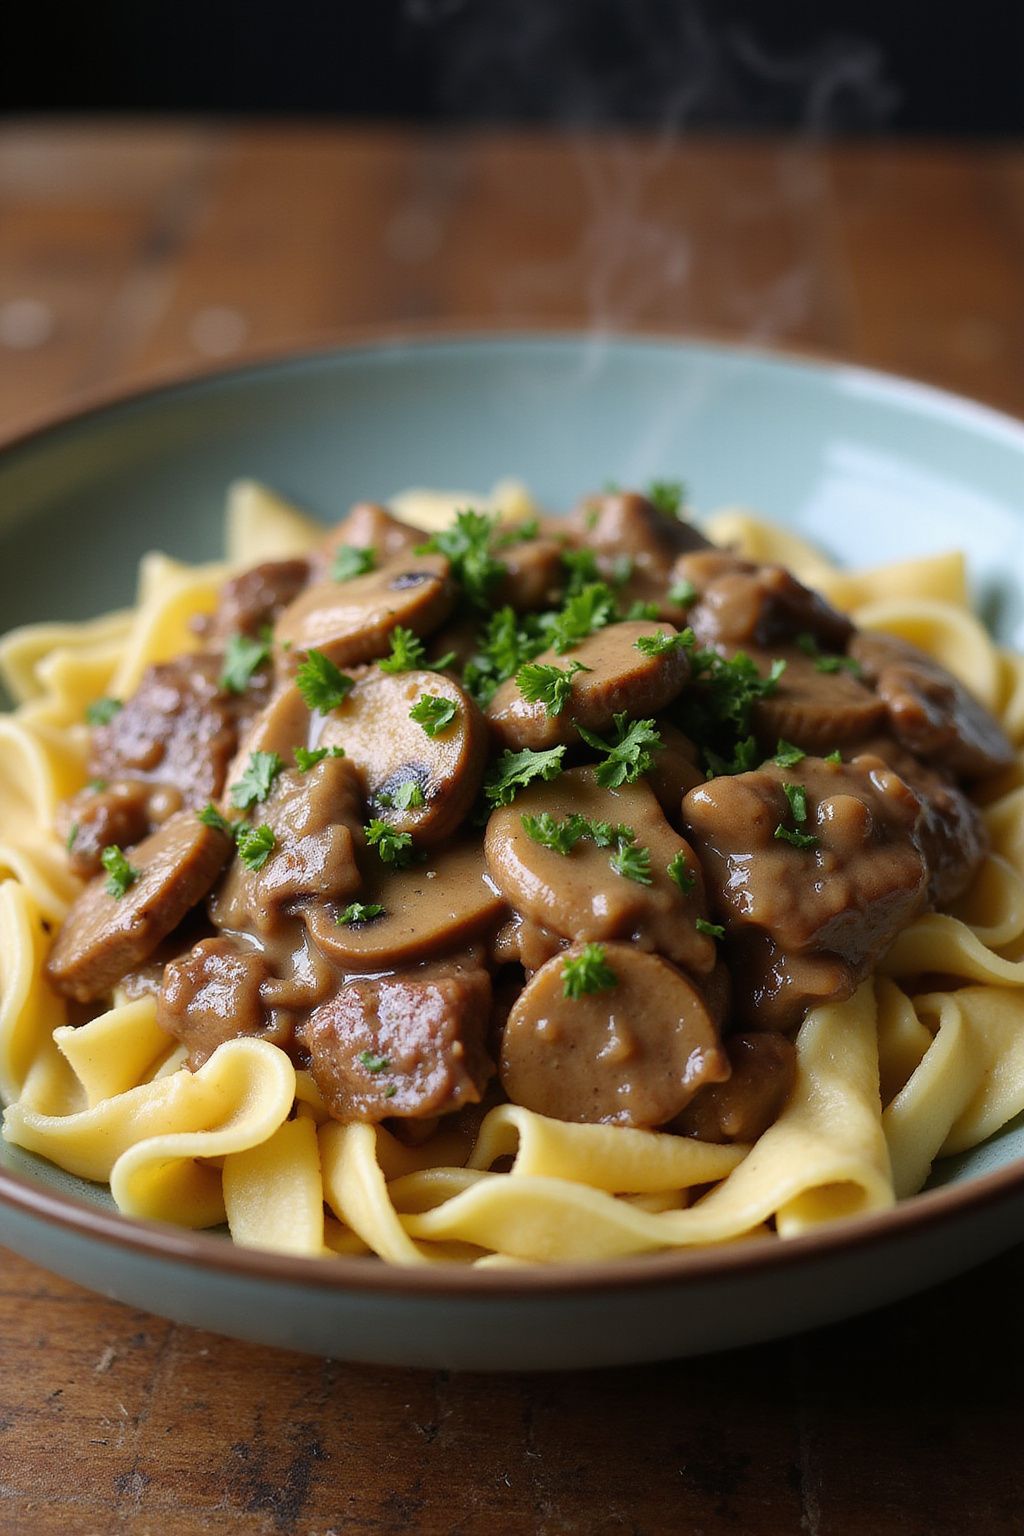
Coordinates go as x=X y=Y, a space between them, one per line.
x=925 y=1059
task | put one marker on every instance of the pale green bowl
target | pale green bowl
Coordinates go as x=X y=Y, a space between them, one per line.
x=871 y=467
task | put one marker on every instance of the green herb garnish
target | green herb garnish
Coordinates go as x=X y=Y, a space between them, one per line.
x=407 y=652
x=786 y=755
x=683 y=592
x=433 y=713
x=549 y=685
x=657 y=645
x=323 y=686
x=102 y=711
x=796 y=794
x=561 y=836
x=352 y=560
x=589 y=610
x=834 y=757
x=255 y=845
x=392 y=847
x=679 y=870
x=827 y=663
x=629 y=756
x=308 y=757
x=467 y=546
x=587 y=972
x=580 y=566
x=521 y=533
x=211 y=817
x=667 y=496
x=359 y=912
x=407 y=797
x=374 y=1063
x=120 y=874
x=796 y=839
x=243 y=657
x=72 y=836
x=514 y=770
x=632 y=861
x=257 y=781
x=713 y=930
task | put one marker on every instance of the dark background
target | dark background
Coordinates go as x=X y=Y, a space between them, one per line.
x=826 y=66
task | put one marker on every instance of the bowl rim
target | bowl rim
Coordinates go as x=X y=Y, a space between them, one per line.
x=204 y=1251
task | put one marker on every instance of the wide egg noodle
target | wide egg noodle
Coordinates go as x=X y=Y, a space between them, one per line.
x=893 y=1077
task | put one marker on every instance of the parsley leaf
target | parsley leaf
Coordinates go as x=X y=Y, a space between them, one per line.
x=548 y=685
x=407 y=651
x=358 y=912
x=373 y=1063
x=786 y=755
x=467 y=546
x=120 y=874
x=834 y=757
x=307 y=758
x=211 y=817
x=392 y=847
x=825 y=663
x=509 y=640
x=408 y=796
x=587 y=972
x=713 y=930
x=560 y=836
x=580 y=566
x=679 y=870
x=657 y=645
x=433 y=713
x=520 y=533
x=514 y=770
x=627 y=757
x=632 y=862
x=102 y=711
x=796 y=839
x=590 y=609
x=323 y=685
x=683 y=592
x=667 y=496
x=257 y=781
x=242 y=657
x=716 y=709
x=744 y=757
x=796 y=794
x=255 y=845
x=352 y=560
x=72 y=836
x=642 y=610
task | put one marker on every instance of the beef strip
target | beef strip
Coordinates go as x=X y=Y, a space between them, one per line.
x=213 y=994
x=252 y=600
x=744 y=604
x=121 y=812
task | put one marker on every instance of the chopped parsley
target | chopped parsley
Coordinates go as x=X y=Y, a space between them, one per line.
x=627 y=757
x=786 y=755
x=97 y=785
x=642 y=610
x=308 y=757
x=392 y=847
x=521 y=533
x=588 y=610
x=514 y=770
x=102 y=711
x=834 y=757
x=667 y=496
x=407 y=651
x=826 y=663
x=120 y=874
x=623 y=567
x=509 y=640
x=679 y=870
x=796 y=794
x=716 y=709
x=587 y=972
x=657 y=645
x=580 y=566
x=243 y=657
x=561 y=836
x=352 y=560
x=547 y=684
x=433 y=713
x=467 y=546
x=745 y=756
x=257 y=781
x=713 y=930
x=211 y=817
x=323 y=685
x=407 y=797
x=373 y=1063
x=796 y=839
x=359 y=912
x=632 y=861
x=255 y=845
x=683 y=592
x=72 y=836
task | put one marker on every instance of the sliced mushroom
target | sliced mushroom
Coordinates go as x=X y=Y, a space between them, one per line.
x=410 y=1045
x=632 y=1054
x=617 y=677
x=286 y=723
x=371 y=526
x=104 y=936
x=351 y=621
x=390 y=750
x=533 y=577
x=675 y=770
x=578 y=895
x=753 y=1096
x=626 y=523
x=430 y=908
x=814 y=709
x=930 y=711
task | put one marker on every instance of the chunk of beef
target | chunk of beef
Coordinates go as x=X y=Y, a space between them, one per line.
x=105 y=935
x=252 y=600
x=931 y=713
x=745 y=604
x=751 y=1098
x=834 y=869
x=213 y=994
x=121 y=812
x=410 y=1045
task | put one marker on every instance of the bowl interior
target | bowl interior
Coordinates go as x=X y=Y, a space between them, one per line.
x=871 y=468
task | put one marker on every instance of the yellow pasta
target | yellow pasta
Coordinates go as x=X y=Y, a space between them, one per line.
x=903 y=1072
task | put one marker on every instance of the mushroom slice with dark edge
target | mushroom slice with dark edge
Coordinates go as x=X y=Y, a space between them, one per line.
x=930 y=711
x=633 y=1054
x=285 y=723
x=579 y=894
x=104 y=936
x=351 y=621
x=618 y=677
x=370 y=526
x=212 y=994
x=745 y=604
x=407 y=1045
x=392 y=751
x=814 y=709
x=753 y=1096
x=533 y=574
x=439 y=905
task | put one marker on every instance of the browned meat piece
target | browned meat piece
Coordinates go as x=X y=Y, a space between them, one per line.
x=316 y=818
x=745 y=604
x=579 y=895
x=675 y=770
x=534 y=575
x=351 y=621
x=617 y=677
x=524 y=943
x=752 y=1097
x=212 y=994
x=774 y=988
x=930 y=711
x=369 y=526
x=253 y=599
x=409 y=1045
x=633 y=1054
x=177 y=729
x=624 y=523
x=430 y=908
x=104 y=936
x=121 y=813
x=844 y=895
x=818 y=711
x=952 y=832
x=390 y=751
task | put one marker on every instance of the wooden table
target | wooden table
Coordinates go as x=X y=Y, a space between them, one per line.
x=129 y=252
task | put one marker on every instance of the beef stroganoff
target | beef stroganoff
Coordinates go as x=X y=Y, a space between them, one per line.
x=469 y=884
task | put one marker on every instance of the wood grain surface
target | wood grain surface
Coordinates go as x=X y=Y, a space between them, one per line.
x=127 y=252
